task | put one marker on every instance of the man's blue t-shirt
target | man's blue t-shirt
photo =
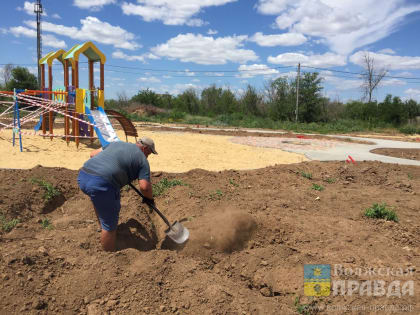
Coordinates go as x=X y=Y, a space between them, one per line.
x=119 y=163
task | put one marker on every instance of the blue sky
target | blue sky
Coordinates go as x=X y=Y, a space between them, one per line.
x=169 y=46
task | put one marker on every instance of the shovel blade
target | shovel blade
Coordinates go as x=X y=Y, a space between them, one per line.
x=178 y=233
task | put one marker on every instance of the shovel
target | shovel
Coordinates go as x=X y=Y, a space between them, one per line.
x=176 y=232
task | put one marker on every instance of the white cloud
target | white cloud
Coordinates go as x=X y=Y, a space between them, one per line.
x=149 y=79
x=404 y=74
x=171 y=12
x=325 y=60
x=29 y=7
x=95 y=30
x=413 y=93
x=215 y=74
x=93 y=5
x=212 y=32
x=344 y=25
x=392 y=82
x=176 y=88
x=187 y=72
x=389 y=62
x=387 y=51
x=142 y=58
x=340 y=83
x=56 y=16
x=249 y=71
x=205 y=50
x=47 y=39
x=286 y=39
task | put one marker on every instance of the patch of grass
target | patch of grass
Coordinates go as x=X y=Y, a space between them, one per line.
x=410 y=177
x=317 y=187
x=217 y=195
x=409 y=129
x=49 y=190
x=381 y=211
x=163 y=185
x=306 y=175
x=330 y=180
x=46 y=224
x=233 y=183
x=305 y=309
x=6 y=225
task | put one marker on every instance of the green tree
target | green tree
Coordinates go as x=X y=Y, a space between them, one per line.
x=310 y=98
x=210 y=100
x=392 y=110
x=228 y=102
x=22 y=79
x=148 y=97
x=412 y=108
x=251 y=101
x=281 y=99
x=187 y=102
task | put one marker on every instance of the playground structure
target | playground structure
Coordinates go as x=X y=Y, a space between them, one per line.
x=83 y=109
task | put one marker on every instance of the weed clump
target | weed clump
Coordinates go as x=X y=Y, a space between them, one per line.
x=49 y=190
x=7 y=225
x=317 y=187
x=163 y=185
x=306 y=175
x=381 y=211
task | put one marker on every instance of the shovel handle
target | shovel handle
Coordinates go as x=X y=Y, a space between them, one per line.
x=151 y=205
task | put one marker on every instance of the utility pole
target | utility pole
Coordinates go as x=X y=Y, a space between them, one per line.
x=38 y=11
x=297 y=92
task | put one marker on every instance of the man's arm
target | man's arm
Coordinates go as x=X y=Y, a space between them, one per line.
x=146 y=188
x=95 y=152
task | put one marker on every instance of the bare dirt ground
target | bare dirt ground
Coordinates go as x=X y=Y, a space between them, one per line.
x=411 y=154
x=252 y=231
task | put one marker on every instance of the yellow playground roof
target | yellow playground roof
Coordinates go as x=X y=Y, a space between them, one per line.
x=88 y=49
x=50 y=57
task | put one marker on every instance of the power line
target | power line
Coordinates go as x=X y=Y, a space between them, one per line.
x=352 y=74
x=360 y=73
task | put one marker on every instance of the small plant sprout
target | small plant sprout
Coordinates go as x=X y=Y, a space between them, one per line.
x=163 y=185
x=330 y=180
x=233 y=183
x=306 y=175
x=7 y=225
x=46 y=224
x=317 y=187
x=49 y=190
x=217 y=195
x=381 y=211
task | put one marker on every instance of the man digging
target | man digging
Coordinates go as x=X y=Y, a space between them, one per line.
x=106 y=172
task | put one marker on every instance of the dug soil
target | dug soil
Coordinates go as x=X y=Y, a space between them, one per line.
x=251 y=232
x=411 y=154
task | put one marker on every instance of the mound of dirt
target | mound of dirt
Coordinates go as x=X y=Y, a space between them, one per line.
x=145 y=110
x=251 y=234
x=411 y=154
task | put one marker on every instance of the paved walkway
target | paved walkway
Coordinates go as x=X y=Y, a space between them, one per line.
x=334 y=150
x=360 y=152
x=324 y=150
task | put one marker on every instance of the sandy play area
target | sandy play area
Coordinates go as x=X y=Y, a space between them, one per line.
x=178 y=152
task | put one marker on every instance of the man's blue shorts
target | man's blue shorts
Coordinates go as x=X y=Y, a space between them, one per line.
x=105 y=198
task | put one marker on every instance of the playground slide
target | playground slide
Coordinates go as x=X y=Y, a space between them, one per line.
x=103 y=127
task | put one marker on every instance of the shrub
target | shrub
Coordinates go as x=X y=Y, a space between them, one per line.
x=381 y=211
